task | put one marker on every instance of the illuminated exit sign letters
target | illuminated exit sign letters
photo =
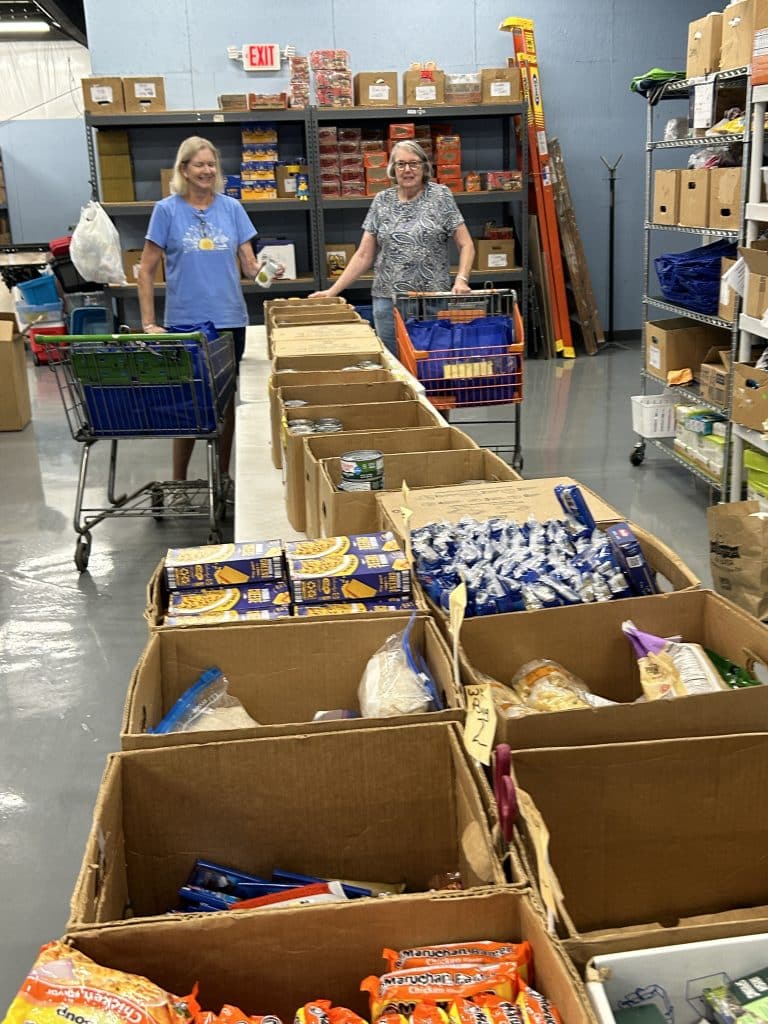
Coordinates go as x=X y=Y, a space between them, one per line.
x=261 y=57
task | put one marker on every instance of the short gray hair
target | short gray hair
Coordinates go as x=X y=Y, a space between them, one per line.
x=189 y=148
x=413 y=147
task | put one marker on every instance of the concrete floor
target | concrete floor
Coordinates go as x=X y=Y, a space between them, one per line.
x=68 y=643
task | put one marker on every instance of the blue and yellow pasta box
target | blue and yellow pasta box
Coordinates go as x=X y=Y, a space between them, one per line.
x=222 y=565
x=222 y=617
x=359 y=568
x=311 y=611
x=248 y=598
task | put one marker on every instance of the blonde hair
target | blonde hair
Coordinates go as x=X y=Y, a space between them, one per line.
x=186 y=151
x=412 y=147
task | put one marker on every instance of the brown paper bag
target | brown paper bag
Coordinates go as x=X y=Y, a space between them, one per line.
x=738 y=552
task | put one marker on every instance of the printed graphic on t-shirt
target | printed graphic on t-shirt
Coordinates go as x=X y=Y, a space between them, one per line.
x=205 y=236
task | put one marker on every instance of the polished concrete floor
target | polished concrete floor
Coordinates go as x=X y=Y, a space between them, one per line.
x=68 y=643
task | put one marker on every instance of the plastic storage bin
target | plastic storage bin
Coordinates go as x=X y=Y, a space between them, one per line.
x=69 y=277
x=653 y=415
x=90 y=320
x=42 y=352
x=39 y=291
x=48 y=313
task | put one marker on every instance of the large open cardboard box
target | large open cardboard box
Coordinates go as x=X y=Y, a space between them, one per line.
x=283 y=673
x=499 y=645
x=647 y=840
x=306 y=362
x=337 y=391
x=15 y=409
x=344 y=512
x=274 y=961
x=418 y=439
x=750 y=397
x=311 y=379
x=324 y=338
x=390 y=415
x=393 y=805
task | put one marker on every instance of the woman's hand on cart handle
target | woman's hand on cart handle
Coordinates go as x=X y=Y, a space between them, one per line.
x=460 y=285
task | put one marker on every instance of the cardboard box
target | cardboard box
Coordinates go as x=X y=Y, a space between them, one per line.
x=749 y=406
x=725 y=198
x=324 y=661
x=308 y=362
x=247 y=803
x=392 y=415
x=117 y=190
x=166 y=174
x=112 y=142
x=286 y=179
x=131 y=261
x=15 y=409
x=759 y=62
x=729 y=298
x=325 y=338
x=319 y=447
x=656 y=788
x=352 y=512
x=704 y=40
x=500 y=85
x=494 y=255
x=755 y=301
x=499 y=645
x=738 y=29
x=694 y=198
x=376 y=89
x=103 y=95
x=423 y=89
x=678 y=343
x=337 y=257
x=144 y=94
x=713 y=376
x=666 y=197
x=116 y=166
x=272 y=961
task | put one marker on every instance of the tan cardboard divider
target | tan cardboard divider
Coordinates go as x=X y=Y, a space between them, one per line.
x=391 y=415
x=610 y=809
x=282 y=675
x=324 y=338
x=311 y=379
x=332 y=360
x=498 y=645
x=343 y=512
x=338 y=804
x=338 y=391
x=419 y=439
x=274 y=961
x=332 y=314
x=284 y=305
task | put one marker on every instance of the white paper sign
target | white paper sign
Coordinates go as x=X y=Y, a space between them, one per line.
x=735 y=277
x=145 y=90
x=541 y=141
x=498 y=260
x=101 y=93
x=703 y=103
x=425 y=92
x=501 y=88
x=378 y=92
x=654 y=357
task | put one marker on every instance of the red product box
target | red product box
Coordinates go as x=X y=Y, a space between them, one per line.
x=353 y=188
x=375 y=159
x=402 y=131
x=448 y=170
x=350 y=134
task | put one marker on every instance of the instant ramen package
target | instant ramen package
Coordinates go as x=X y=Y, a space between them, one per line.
x=64 y=983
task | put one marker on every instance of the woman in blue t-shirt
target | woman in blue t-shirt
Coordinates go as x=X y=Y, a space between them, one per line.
x=206 y=239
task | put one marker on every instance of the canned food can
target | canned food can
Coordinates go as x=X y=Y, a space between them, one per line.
x=328 y=428
x=294 y=403
x=365 y=464
x=328 y=421
x=376 y=484
x=267 y=271
x=302 y=428
x=368 y=364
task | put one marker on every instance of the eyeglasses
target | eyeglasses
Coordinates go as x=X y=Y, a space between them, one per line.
x=407 y=165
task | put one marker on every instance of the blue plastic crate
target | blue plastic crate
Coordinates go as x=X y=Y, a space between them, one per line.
x=39 y=290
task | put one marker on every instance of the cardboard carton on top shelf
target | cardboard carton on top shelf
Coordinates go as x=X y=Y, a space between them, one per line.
x=666 y=197
x=704 y=40
x=144 y=94
x=738 y=29
x=694 y=198
x=103 y=95
x=500 y=85
x=375 y=89
x=423 y=88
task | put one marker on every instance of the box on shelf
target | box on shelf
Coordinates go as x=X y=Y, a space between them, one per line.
x=285 y=174
x=116 y=165
x=666 y=197
x=750 y=397
x=144 y=95
x=117 y=190
x=694 y=198
x=166 y=174
x=713 y=376
x=423 y=88
x=494 y=255
x=324 y=660
x=756 y=297
x=729 y=298
x=499 y=645
x=103 y=95
x=738 y=29
x=288 y=956
x=320 y=447
x=376 y=89
x=337 y=257
x=15 y=409
x=131 y=261
x=725 y=198
x=678 y=343
x=704 y=40
x=246 y=801
x=500 y=85
x=343 y=512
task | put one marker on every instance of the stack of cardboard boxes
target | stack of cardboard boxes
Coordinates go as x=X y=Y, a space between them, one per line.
x=110 y=95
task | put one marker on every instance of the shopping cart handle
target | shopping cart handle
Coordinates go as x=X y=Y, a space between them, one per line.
x=453 y=295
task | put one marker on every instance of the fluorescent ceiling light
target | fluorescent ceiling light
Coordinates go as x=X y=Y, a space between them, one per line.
x=23 y=27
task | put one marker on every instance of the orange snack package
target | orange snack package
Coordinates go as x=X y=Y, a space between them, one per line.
x=402 y=991
x=322 y=1012
x=499 y=1011
x=462 y=1011
x=481 y=952
x=536 y=1008
x=62 y=979
x=426 y=1013
x=234 y=1015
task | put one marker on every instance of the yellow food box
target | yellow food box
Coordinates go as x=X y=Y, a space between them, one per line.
x=358 y=568
x=250 y=597
x=223 y=565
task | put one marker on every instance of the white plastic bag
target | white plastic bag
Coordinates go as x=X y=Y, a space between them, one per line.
x=95 y=247
x=390 y=686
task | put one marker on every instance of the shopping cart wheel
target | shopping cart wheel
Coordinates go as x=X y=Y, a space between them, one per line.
x=214 y=537
x=83 y=552
x=36 y=359
x=158 y=502
x=638 y=454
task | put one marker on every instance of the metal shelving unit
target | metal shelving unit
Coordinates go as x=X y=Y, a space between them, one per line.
x=681 y=91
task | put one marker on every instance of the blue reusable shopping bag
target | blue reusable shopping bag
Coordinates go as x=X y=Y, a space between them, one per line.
x=692 y=279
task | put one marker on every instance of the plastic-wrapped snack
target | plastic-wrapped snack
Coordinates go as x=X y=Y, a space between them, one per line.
x=534 y=1007
x=322 y=1012
x=66 y=983
x=500 y=1011
x=401 y=991
x=670 y=668
x=484 y=951
x=205 y=705
x=463 y=1011
x=544 y=685
x=234 y=1015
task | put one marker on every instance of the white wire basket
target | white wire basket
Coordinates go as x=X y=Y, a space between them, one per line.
x=653 y=415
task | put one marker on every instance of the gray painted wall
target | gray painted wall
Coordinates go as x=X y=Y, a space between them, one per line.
x=588 y=51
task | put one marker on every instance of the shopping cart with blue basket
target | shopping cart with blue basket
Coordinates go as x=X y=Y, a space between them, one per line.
x=467 y=351
x=118 y=386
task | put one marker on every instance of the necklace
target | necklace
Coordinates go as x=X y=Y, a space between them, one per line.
x=205 y=242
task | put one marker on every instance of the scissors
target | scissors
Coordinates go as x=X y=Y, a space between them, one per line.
x=504 y=790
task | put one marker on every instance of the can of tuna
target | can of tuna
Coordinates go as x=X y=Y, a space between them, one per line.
x=329 y=427
x=368 y=364
x=294 y=403
x=362 y=485
x=364 y=465
x=302 y=427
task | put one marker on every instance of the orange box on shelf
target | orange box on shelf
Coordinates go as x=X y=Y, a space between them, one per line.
x=402 y=130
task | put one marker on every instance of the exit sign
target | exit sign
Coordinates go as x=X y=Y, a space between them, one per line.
x=261 y=57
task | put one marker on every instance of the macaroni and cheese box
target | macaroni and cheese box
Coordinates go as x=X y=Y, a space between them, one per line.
x=311 y=611
x=223 y=617
x=359 y=568
x=192 y=603
x=217 y=565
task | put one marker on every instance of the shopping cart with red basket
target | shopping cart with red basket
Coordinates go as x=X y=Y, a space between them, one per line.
x=467 y=351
